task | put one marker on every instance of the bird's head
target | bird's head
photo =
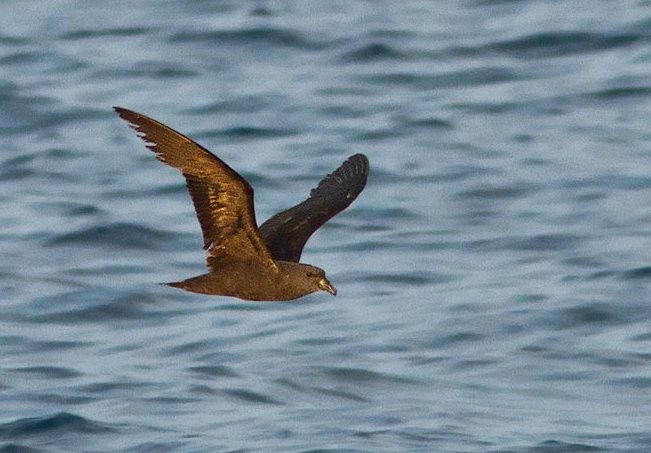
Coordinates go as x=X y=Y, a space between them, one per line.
x=317 y=279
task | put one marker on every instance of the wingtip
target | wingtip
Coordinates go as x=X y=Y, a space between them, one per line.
x=348 y=179
x=123 y=113
x=359 y=157
x=360 y=162
x=132 y=119
x=355 y=165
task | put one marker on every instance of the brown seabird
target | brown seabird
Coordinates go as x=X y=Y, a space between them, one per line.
x=244 y=261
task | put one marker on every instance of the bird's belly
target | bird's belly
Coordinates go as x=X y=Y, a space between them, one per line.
x=245 y=282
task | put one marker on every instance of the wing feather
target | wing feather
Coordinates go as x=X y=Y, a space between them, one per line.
x=223 y=200
x=287 y=232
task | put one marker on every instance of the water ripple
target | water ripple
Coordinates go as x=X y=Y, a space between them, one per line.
x=461 y=78
x=61 y=424
x=265 y=36
x=214 y=371
x=124 y=235
x=643 y=273
x=555 y=44
x=371 y=52
x=356 y=375
x=250 y=397
x=93 y=305
x=48 y=372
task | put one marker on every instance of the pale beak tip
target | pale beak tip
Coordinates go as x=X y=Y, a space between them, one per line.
x=328 y=287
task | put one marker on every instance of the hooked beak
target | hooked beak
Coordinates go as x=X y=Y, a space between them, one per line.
x=325 y=285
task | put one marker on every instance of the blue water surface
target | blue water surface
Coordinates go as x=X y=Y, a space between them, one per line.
x=494 y=277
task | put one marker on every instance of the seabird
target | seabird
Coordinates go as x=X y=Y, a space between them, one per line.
x=245 y=261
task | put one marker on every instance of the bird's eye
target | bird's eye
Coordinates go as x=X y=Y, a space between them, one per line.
x=310 y=274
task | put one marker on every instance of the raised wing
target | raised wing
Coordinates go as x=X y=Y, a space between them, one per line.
x=223 y=200
x=287 y=232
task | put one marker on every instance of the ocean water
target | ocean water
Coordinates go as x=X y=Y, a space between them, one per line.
x=494 y=277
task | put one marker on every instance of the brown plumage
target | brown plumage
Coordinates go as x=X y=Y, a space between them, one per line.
x=243 y=261
x=287 y=232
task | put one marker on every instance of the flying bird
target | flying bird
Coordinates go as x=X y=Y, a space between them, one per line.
x=245 y=261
